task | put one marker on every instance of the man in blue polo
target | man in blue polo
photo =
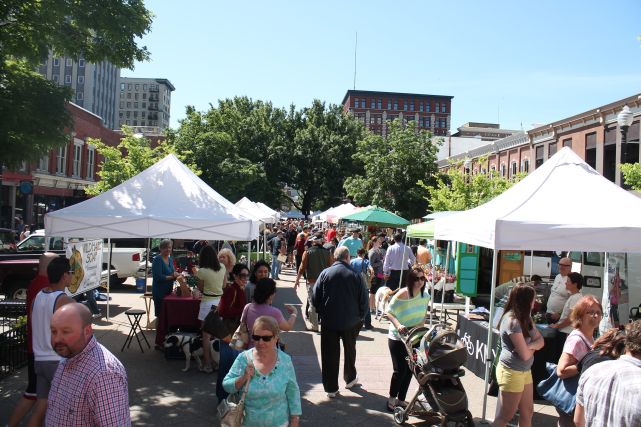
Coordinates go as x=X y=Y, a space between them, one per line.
x=353 y=243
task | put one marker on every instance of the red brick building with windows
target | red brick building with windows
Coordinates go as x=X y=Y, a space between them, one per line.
x=59 y=178
x=375 y=109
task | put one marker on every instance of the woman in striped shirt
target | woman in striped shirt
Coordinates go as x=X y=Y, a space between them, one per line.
x=405 y=311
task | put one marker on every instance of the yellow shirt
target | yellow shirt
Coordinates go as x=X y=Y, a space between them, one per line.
x=213 y=281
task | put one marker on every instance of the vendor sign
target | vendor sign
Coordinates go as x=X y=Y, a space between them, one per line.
x=85 y=258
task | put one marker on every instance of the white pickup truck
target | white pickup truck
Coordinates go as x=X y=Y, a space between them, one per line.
x=124 y=261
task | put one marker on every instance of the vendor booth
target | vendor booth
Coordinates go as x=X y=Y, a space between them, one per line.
x=165 y=200
x=529 y=216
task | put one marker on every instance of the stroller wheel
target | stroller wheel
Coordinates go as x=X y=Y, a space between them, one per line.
x=467 y=422
x=399 y=415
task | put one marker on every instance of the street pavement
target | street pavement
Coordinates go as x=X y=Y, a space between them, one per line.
x=161 y=394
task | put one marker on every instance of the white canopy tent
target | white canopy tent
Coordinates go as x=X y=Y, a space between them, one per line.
x=531 y=215
x=335 y=214
x=272 y=216
x=165 y=200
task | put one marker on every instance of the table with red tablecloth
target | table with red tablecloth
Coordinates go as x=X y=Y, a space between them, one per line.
x=177 y=312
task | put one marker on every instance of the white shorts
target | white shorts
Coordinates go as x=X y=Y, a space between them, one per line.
x=205 y=307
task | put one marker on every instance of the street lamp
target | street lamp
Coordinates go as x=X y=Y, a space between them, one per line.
x=624 y=120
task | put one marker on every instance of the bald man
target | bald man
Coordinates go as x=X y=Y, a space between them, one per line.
x=28 y=399
x=559 y=293
x=90 y=385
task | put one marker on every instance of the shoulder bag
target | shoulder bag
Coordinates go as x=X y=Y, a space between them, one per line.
x=230 y=412
x=240 y=337
x=559 y=392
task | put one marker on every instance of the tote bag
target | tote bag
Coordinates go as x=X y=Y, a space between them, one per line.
x=559 y=392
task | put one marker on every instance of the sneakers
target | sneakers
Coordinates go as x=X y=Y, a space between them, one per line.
x=352 y=383
x=333 y=395
x=96 y=315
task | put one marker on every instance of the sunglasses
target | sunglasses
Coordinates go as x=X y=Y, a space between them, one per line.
x=420 y=279
x=266 y=338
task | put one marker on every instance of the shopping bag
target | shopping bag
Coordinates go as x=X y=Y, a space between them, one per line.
x=559 y=392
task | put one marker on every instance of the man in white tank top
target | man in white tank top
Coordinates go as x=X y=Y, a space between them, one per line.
x=45 y=304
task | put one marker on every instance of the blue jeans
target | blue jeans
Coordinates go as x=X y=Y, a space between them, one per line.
x=275 y=266
x=227 y=357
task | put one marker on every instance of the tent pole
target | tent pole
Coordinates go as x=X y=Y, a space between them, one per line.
x=433 y=285
x=531 y=264
x=488 y=358
x=447 y=262
x=249 y=254
x=109 y=277
x=400 y=280
x=147 y=262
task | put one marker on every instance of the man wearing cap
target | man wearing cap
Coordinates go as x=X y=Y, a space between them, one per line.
x=352 y=243
x=315 y=259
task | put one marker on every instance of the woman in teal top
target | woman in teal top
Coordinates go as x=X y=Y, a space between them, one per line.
x=163 y=274
x=273 y=397
x=406 y=310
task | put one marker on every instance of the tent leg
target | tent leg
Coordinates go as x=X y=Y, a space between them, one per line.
x=447 y=263
x=431 y=304
x=467 y=305
x=403 y=261
x=488 y=349
x=109 y=277
x=147 y=262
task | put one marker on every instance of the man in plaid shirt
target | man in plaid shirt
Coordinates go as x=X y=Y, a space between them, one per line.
x=90 y=385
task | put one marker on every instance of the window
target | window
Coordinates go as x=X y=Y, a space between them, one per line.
x=428 y=122
x=144 y=96
x=135 y=113
x=128 y=122
x=427 y=107
x=144 y=87
x=128 y=95
x=77 y=157
x=502 y=168
x=411 y=105
x=81 y=62
x=128 y=113
x=514 y=171
x=121 y=114
x=438 y=108
x=144 y=105
x=43 y=164
x=567 y=142
x=135 y=105
x=142 y=123
x=56 y=62
x=135 y=122
x=395 y=104
x=128 y=104
x=91 y=160
x=69 y=62
x=380 y=104
x=590 y=149
x=372 y=104
x=68 y=78
x=443 y=109
x=81 y=80
x=389 y=104
x=79 y=96
x=371 y=120
x=551 y=149
x=526 y=166
x=55 y=78
x=136 y=95
x=122 y=104
x=128 y=86
x=137 y=86
x=61 y=160
x=362 y=103
x=404 y=105
x=539 y=156
x=122 y=86
x=420 y=107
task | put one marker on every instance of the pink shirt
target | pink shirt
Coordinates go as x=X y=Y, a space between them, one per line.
x=577 y=344
x=253 y=311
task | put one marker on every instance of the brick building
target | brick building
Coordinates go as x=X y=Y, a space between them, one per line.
x=58 y=179
x=374 y=109
x=594 y=135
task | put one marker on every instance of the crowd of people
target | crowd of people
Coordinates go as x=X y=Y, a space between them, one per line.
x=74 y=380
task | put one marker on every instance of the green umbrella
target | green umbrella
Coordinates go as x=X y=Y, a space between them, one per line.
x=423 y=230
x=377 y=216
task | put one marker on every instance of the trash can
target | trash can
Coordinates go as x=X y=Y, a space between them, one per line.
x=141 y=285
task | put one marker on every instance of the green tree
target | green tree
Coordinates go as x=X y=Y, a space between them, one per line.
x=133 y=155
x=34 y=115
x=393 y=166
x=456 y=190
x=632 y=175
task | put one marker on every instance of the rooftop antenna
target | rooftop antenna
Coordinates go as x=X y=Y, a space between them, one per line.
x=355 y=47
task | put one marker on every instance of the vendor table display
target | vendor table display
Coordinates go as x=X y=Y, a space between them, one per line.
x=177 y=313
x=473 y=333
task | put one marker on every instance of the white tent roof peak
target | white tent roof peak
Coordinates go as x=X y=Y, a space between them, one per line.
x=563 y=205
x=165 y=200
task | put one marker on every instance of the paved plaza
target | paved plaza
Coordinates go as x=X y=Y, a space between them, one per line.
x=161 y=394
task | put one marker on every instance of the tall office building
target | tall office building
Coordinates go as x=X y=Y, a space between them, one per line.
x=145 y=103
x=375 y=109
x=95 y=86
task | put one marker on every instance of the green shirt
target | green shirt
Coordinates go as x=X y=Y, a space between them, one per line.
x=409 y=312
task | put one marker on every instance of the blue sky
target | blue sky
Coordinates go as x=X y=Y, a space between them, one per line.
x=514 y=61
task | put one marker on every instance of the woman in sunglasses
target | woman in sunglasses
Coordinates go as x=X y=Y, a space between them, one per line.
x=406 y=310
x=273 y=396
x=233 y=301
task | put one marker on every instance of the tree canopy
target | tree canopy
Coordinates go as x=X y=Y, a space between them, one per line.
x=457 y=190
x=393 y=168
x=632 y=175
x=133 y=155
x=250 y=148
x=34 y=117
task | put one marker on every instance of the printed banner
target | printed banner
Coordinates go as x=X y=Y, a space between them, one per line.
x=86 y=264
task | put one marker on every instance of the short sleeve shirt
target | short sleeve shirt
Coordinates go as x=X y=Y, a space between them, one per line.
x=253 y=311
x=567 y=310
x=213 y=282
x=558 y=295
x=577 y=344
x=509 y=356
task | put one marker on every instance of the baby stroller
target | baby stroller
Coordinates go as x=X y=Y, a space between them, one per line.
x=436 y=365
